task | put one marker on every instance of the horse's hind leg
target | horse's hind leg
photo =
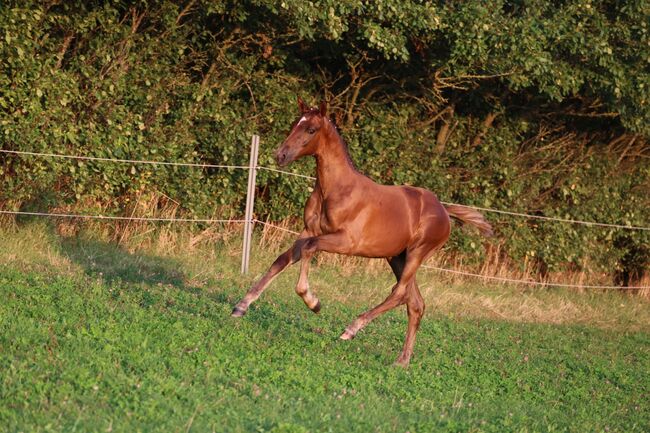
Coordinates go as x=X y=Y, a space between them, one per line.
x=415 y=310
x=285 y=259
x=397 y=264
x=405 y=291
x=405 y=276
x=393 y=300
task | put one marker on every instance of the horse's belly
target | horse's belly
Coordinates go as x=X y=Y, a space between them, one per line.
x=383 y=236
x=379 y=226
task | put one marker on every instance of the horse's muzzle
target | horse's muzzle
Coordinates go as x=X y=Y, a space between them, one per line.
x=282 y=157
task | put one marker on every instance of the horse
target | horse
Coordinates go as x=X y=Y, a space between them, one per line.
x=348 y=213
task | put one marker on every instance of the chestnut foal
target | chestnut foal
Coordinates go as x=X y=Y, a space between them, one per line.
x=348 y=213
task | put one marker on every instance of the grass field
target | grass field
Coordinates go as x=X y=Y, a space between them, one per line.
x=95 y=337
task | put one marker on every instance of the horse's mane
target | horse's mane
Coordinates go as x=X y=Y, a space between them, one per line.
x=338 y=135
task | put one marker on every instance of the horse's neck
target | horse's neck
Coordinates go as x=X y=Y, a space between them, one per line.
x=334 y=167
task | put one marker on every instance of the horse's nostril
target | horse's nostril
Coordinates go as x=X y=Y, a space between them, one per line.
x=281 y=156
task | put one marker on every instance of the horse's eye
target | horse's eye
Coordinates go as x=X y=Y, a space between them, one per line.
x=311 y=130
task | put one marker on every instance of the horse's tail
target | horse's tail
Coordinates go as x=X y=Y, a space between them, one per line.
x=467 y=215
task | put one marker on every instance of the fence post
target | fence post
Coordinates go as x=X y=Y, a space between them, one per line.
x=250 y=203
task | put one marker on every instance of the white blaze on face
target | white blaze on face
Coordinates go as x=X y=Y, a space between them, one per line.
x=302 y=119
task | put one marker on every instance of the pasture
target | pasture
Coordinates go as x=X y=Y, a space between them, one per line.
x=117 y=114
x=96 y=337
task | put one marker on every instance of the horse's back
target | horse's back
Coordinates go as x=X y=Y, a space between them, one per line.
x=428 y=219
x=382 y=220
x=396 y=217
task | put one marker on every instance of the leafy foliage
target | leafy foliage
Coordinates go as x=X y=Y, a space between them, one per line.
x=533 y=106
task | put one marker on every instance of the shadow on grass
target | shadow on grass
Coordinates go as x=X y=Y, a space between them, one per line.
x=113 y=264
x=145 y=274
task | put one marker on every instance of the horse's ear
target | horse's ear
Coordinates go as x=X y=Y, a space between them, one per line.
x=302 y=106
x=323 y=108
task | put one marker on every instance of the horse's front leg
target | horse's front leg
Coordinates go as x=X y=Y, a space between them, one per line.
x=306 y=248
x=302 y=288
x=285 y=259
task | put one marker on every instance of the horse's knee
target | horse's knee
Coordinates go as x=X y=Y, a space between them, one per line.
x=310 y=300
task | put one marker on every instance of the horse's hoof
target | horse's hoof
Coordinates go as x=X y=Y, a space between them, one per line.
x=316 y=308
x=347 y=335
x=402 y=363
x=237 y=312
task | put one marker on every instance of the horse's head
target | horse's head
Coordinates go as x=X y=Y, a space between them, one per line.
x=304 y=135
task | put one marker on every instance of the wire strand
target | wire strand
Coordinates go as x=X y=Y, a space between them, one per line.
x=535 y=283
x=202 y=220
x=285 y=172
x=201 y=165
x=505 y=212
x=541 y=217
x=129 y=161
x=121 y=218
x=276 y=227
x=506 y=280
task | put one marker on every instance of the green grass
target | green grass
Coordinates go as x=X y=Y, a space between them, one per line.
x=95 y=338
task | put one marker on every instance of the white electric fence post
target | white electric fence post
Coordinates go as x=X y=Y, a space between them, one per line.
x=250 y=203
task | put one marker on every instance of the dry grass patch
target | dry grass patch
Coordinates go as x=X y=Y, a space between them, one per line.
x=202 y=259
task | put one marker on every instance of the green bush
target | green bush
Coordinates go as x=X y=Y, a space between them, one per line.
x=530 y=106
